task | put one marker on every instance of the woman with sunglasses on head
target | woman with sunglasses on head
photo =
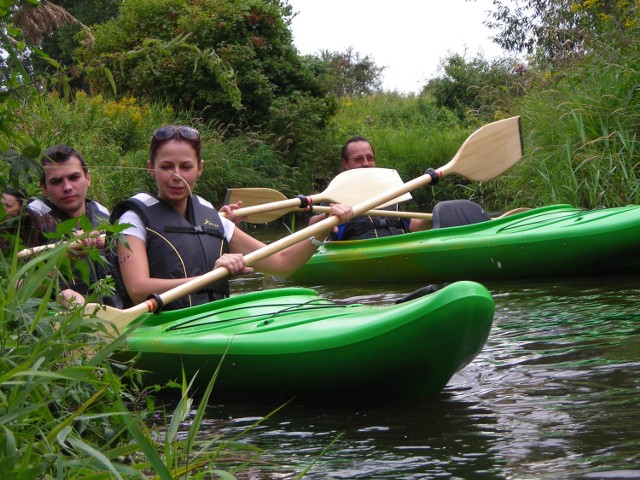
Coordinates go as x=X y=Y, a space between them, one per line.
x=177 y=235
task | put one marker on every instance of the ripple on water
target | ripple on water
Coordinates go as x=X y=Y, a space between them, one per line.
x=554 y=394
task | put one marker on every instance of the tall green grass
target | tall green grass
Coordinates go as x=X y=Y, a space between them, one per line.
x=582 y=133
x=409 y=134
x=68 y=411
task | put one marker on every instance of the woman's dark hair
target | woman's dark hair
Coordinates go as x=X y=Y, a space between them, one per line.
x=19 y=193
x=172 y=132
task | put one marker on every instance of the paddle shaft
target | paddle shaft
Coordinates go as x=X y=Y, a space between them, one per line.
x=257 y=196
x=28 y=252
x=249 y=211
x=349 y=187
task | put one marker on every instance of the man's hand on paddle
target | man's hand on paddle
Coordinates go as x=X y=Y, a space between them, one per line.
x=339 y=210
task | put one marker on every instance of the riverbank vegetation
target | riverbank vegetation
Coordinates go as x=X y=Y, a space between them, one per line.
x=269 y=117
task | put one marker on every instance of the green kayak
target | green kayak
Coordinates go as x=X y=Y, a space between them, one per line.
x=291 y=341
x=553 y=241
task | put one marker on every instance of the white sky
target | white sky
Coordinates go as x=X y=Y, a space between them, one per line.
x=408 y=37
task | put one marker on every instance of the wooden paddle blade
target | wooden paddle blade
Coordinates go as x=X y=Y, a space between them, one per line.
x=252 y=196
x=117 y=320
x=357 y=185
x=489 y=151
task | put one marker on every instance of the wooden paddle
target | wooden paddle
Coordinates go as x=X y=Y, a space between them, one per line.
x=256 y=197
x=28 y=252
x=251 y=197
x=349 y=187
x=487 y=153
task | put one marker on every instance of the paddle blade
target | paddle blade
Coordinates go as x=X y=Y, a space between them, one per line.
x=252 y=196
x=489 y=151
x=357 y=185
x=116 y=320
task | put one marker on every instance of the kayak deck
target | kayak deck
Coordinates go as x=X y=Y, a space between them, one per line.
x=553 y=241
x=291 y=341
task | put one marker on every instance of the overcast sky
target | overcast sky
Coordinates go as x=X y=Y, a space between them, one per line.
x=407 y=37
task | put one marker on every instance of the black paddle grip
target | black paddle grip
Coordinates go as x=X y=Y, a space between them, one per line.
x=305 y=202
x=158 y=300
x=435 y=177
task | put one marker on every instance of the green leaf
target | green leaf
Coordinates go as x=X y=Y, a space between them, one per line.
x=95 y=454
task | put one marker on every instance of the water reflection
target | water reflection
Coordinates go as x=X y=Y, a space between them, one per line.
x=554 y=394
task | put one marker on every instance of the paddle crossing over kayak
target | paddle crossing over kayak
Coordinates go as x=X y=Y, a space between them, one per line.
x=558 y=240
x=291 y=341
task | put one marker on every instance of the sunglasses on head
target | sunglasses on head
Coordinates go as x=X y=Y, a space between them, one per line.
x=169 y=131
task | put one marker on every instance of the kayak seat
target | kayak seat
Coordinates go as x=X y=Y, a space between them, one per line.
x=421 y=292
x=453 y=213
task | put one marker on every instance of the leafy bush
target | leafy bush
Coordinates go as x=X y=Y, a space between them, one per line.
x=478 y=88
x=230 y=62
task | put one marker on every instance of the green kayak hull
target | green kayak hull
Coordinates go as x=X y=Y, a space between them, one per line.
x=553 y=241
x=292 y=342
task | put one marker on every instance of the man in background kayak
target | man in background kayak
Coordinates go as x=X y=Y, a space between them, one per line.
x=65 y=182
x=357 y=152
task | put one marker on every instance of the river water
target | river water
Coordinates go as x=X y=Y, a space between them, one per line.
x=554 y=394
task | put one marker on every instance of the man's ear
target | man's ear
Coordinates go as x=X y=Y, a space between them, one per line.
x=200 y=167
x=43 y=188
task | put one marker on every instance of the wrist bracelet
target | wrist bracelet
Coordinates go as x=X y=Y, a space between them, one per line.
x=315 y=242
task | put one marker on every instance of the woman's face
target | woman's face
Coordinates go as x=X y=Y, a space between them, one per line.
x=175 y=170
x=11 y=204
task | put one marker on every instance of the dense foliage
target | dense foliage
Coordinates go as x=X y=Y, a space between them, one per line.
x=232 y=62
x=553 y=30
x=349 y=74
x=477 y=89
x=581 y=127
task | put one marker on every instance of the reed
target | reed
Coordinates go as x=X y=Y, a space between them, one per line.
x=582 y=133
x=69 y=410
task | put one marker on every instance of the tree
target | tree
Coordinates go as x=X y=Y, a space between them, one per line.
x=210 y=57
x=555 y=29
x=16 y=149
x=61 y=42
x=476 y=88
x=350 y=75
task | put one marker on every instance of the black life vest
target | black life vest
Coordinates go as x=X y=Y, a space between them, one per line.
x=177 y=247
x=367 y=226
x=44 y=217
